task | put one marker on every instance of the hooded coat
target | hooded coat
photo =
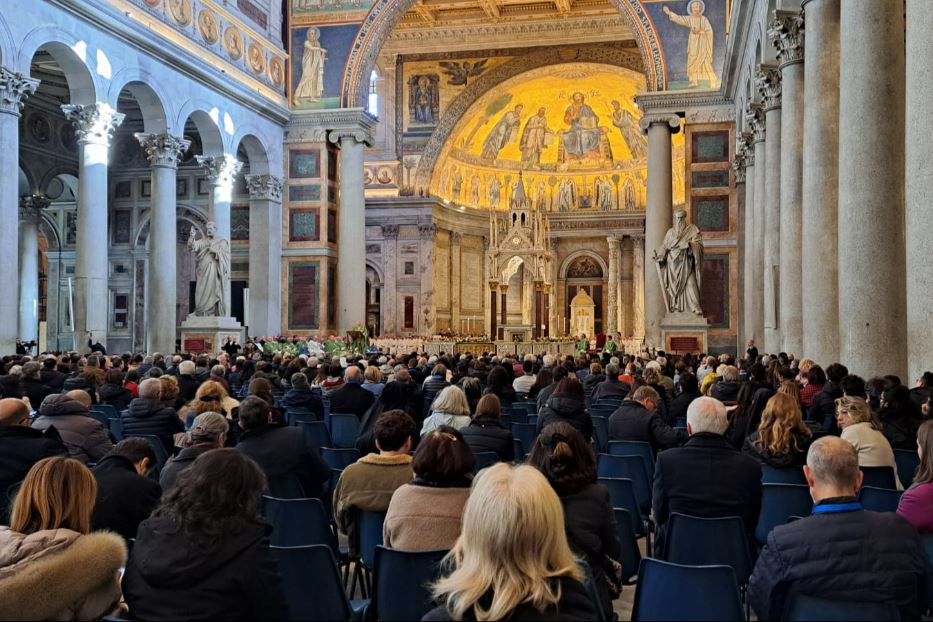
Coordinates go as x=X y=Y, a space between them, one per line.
x=85 y=436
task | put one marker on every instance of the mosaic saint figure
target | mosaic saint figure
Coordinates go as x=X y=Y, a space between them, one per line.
x=583 y=136
x=311 y=86
x=636 y=142
x=535 y=137
x=504 y=132
x=699 y=44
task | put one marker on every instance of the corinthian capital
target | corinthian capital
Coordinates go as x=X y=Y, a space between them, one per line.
x=755 y=121
x=768 y=83
x=739 y=162
x=786 y=33
x=264 y=186
x=221 y=170
x=94 y=123
x=31 y=206
x=162 y=150
x=14 y=88
x=357 y=134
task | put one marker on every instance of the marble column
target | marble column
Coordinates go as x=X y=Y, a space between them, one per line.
x=428 y=313
x=659 y=215
x=756 y=299
x=638 y=287
x=769 y=85
x=221 y=172
x=456 y=239
x=612 y=295
x=390 y=310
x=787 y=35
x=30 y=213
x=919 y=189
x=94 y=125
x=751 y=278
x=503 y=304
x=872 y=264
x=14 y=88
x=351 y=229
x=493 y=310
x=739 y=172
x=163 y=152
x=265 y=254
x=820 y=187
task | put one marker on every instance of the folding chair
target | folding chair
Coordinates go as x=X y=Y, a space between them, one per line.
x=778 y=503
x=400 y=583
x=526 y=433
x=879 y=477
x=344 y=430
x=697 y=541
x=634 y=448
x=668 y=591
x=485 y=459
x=907 y=462
x=786 y=475
x=879 y=499
x=339 y=459
x=327 y=601
x=628 y=467
x=316 y=434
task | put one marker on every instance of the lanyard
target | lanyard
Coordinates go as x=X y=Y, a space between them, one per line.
x=837 y=507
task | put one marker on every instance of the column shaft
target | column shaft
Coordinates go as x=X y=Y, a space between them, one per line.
x=351 y=238
x=390 y=310
x=265 y=251
x=29 y=273
x=820 y=187
x=14 y=88
x=741 y=226
x=872 y=266
x=919 y=189
x=160 y=308
x=769 y=84
x=612 y=306
x=787 y=36
x=638 y=287
x=658 y=217
x=750 y=307
x=455 y=322
x=756 y=299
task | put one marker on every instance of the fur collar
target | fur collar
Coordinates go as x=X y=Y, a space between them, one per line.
x=81 y=568
x=386 y=460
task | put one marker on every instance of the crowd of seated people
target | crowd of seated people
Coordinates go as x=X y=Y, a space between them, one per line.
x=158 y=465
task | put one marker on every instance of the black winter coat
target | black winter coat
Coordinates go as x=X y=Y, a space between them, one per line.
x=611 y=387
x=305 y=398
x=20 y=448
x=116 y=396
x=591 y=531
x=725 y=391
x=849 y=556
x=707 y=477
x=633 y=422
x=795 y=458
x=568 y=409
x=77 y=382
x=54 y=380
x=679 y=405
x=282 y=453
x=351 y=398
x=177 y=464
x=148 y=416
x=172 y=575
x=124 y=498
x=823 y=408
x=187 y=389
x=490 y=435
x=574 y=604
x=36 y=391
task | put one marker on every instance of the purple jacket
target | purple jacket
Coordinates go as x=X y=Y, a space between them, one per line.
x=916 y=507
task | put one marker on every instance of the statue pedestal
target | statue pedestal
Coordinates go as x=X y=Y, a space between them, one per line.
x=208 y=334
x=683 y=333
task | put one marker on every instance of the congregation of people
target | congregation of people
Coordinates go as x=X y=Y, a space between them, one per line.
x=140 y=486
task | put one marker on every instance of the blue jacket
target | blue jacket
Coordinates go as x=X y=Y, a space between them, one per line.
x=851 y=555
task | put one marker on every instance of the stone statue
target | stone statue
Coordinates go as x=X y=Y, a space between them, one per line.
x=680 y=264
x=213 y=254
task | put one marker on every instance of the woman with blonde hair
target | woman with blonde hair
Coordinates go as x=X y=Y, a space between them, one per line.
x=372 y=380
x=450 y=408
x=170 y=391
x=210 y=397
x=791 y=388
x=863 y=430
x=512 y=560
x=51 y=566
x=782 y=438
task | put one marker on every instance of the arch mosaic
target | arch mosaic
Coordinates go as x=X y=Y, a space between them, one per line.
x=570 y=259
x=385 y=14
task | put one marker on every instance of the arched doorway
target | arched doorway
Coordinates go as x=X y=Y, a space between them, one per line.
x=585 y=272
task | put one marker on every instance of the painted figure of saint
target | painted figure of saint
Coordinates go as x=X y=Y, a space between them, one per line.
x=680 y=266
x=311 y=86
x=628 y=126
x=566 y=195
x=423 y=99
x=213 y=271
x=699 y=44
x=536 y=136
x=583 y=136
x=475 y=189
x=504 y=132
x=605 y=195
x=495 y=193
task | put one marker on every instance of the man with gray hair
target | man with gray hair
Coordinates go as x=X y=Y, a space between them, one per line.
x=707 y=477
x=146 y=415
x=637 y=419
x=611 y=387
x=208 y=431
x=841 y=552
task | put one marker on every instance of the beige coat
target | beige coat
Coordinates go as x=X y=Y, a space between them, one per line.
x=872 y=447
x=423 y=518
x=59 y=574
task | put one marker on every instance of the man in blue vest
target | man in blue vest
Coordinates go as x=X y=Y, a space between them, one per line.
x=841 y=552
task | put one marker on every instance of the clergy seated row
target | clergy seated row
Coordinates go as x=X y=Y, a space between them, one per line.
x=197 y=525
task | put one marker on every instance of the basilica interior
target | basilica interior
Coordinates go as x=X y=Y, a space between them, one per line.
x=420 y=167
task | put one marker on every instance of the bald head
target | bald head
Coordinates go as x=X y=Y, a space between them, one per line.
x=13 y=412
x=833 y=462
x=80 y=395
x=151 y=388
x=352 y=373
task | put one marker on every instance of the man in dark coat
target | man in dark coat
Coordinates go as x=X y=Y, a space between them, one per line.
x=21 y=447
x=32 y=384
x=351 y=397
x=187 y=383
x=147 y=415
x=280 y=451
x=611 y=386
x=636 y=419
x=86 y=438
x=125 y=494
x=208 y=431
x=301 y=396
x=51 y=377
x=707 y=477
x=823 y=408
x=841 y=552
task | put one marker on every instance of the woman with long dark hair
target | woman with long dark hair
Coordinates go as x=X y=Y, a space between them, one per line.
x=567 y=404
x=916 y=504
x=204 y=554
